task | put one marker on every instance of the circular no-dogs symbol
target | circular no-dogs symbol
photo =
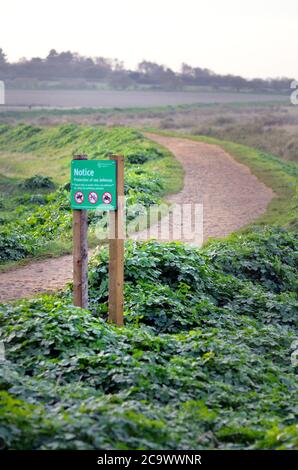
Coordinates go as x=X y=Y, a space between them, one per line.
x=106 y=198
x=93 y=197
x=79 y=197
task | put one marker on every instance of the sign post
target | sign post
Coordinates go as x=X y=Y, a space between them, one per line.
x=116 y=249
x=98 y=184
x=80 y=251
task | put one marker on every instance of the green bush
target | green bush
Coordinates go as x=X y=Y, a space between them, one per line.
x=140 y=157
x=38 y=182
x=268 y=257
x=14 y=247
x=169 y=285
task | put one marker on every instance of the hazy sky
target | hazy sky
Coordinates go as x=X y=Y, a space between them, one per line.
x=253 y=38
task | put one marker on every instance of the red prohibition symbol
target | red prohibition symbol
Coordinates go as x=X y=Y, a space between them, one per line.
x=107 y=198
x=93 y=197
x=79 y=197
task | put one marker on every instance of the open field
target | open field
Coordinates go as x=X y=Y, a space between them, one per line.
x=125 y=99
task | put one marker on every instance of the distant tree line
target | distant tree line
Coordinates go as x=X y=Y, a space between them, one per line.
x=69 y=66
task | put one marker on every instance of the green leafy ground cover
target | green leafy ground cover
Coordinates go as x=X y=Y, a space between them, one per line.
x=35 y=217
x=206 y=359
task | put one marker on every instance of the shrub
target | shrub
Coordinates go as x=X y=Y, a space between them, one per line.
x=38 y=182
x=168 y=285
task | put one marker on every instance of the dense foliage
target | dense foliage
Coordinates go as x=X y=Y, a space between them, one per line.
x=207 y=358
x=34 y=214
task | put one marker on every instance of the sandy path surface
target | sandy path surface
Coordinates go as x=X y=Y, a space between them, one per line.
x=222 y=192
x=38 y=276
x=227 y=194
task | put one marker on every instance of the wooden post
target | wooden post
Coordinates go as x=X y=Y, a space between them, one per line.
x=116 y=249
x=80 y=254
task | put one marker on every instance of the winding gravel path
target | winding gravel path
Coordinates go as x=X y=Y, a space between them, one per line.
x=231 y=197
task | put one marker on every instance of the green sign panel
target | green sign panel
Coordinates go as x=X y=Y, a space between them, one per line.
x=93 y=184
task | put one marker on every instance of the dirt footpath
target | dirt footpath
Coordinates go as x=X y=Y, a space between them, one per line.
x=40 y=276
x=231 y=196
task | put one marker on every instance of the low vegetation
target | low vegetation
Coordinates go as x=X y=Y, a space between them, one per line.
x=269 y=127
x=206 y=360
x=275 y=134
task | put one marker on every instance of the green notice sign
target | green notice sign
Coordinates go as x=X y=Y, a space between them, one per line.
x=93 y=185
